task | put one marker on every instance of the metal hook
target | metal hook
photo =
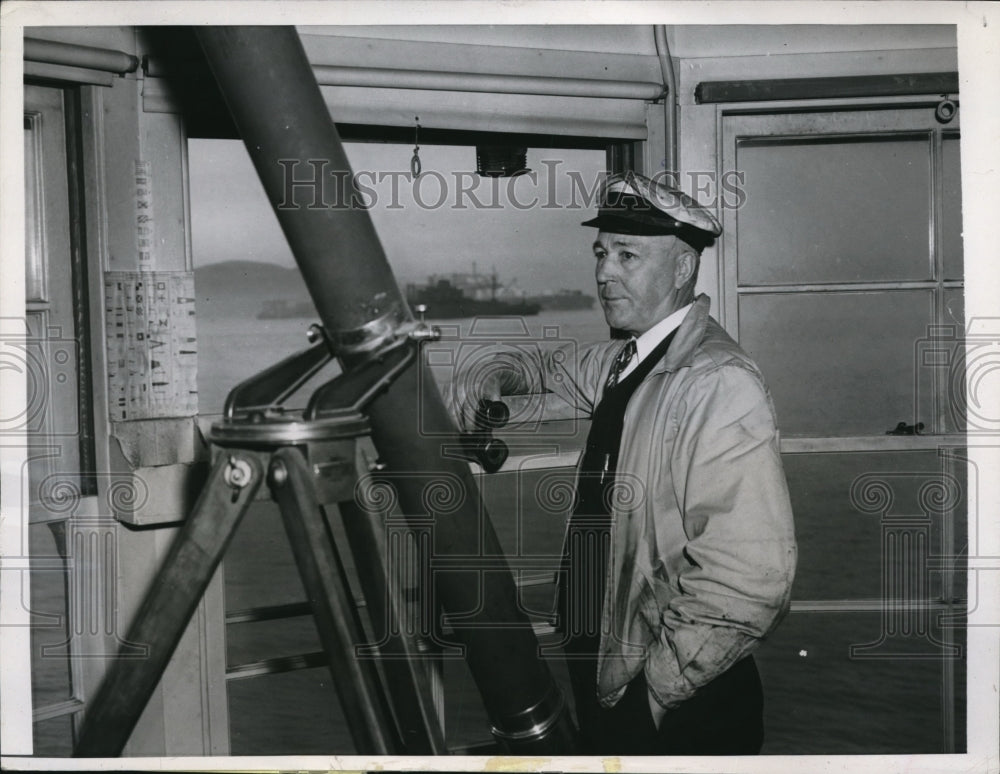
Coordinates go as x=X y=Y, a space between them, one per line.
x=415 y=166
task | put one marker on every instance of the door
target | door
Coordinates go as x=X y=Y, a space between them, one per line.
x=842 y=277
x=59 y=476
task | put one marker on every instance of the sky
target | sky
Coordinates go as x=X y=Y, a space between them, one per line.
x=447 y=220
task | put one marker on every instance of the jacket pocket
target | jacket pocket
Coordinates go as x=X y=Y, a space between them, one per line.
x=649 y=606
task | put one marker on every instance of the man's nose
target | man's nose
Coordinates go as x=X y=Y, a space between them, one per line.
x=605 y=271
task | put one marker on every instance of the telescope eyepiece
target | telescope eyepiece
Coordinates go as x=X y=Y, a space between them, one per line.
x=491 y=414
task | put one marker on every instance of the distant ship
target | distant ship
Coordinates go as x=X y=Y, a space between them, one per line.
x=563 y=299
x=445 y=301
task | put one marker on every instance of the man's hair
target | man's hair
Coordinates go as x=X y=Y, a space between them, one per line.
x=690 y=284
x=681 y=246
x=697 y=267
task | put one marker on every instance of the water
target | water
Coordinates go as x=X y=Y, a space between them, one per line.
x=234 y=348
x=818 y=698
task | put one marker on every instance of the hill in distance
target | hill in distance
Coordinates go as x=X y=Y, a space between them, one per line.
x=240 y=288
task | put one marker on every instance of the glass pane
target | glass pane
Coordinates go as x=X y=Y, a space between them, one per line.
x=838 y=363
x=870 y=526
x=819 y=699
x=246 y=642
x=819 y=211
x=951 y=208
x=293 y=713
x=50 y=673
x=952 y=368
x=955 y=547
x=33 y=248
x=961 y=676
x=940 y=360
x=539 y=598
x=234 y=348
x=54 y=737
x=465 y=721
x=259 y=567
x=529 y=509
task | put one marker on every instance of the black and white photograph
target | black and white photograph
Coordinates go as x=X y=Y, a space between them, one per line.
x=539 y=386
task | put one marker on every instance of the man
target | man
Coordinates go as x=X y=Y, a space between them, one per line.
x=680 y=552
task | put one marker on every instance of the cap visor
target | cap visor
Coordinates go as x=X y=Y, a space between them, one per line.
x=618 y=224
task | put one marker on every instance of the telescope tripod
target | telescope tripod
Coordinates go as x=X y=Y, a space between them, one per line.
x=308 y=461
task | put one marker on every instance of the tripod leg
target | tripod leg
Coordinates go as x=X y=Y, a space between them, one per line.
x=169 y=604
x=356 y=681
x=406 y=669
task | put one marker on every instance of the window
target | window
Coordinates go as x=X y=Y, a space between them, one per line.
x=849 y=245
x=512 y=240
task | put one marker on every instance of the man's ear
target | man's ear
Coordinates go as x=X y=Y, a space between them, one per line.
x=685 y=267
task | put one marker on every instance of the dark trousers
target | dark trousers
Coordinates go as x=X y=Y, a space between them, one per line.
x=725 y=717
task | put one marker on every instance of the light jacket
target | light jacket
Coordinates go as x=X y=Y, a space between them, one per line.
x=703 y=544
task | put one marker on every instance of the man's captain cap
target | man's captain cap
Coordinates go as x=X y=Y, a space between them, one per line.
x=634 y=204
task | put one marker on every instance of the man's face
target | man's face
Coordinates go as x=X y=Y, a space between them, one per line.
x=640 y=278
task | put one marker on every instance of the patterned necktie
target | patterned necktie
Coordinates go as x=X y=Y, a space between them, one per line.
x=622 y=359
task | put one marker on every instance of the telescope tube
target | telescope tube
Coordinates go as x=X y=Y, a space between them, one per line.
x=276 y=104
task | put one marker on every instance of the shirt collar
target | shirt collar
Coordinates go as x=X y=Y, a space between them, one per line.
x=647 y=342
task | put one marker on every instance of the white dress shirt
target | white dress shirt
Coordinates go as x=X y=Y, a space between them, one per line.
x=649 y=340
